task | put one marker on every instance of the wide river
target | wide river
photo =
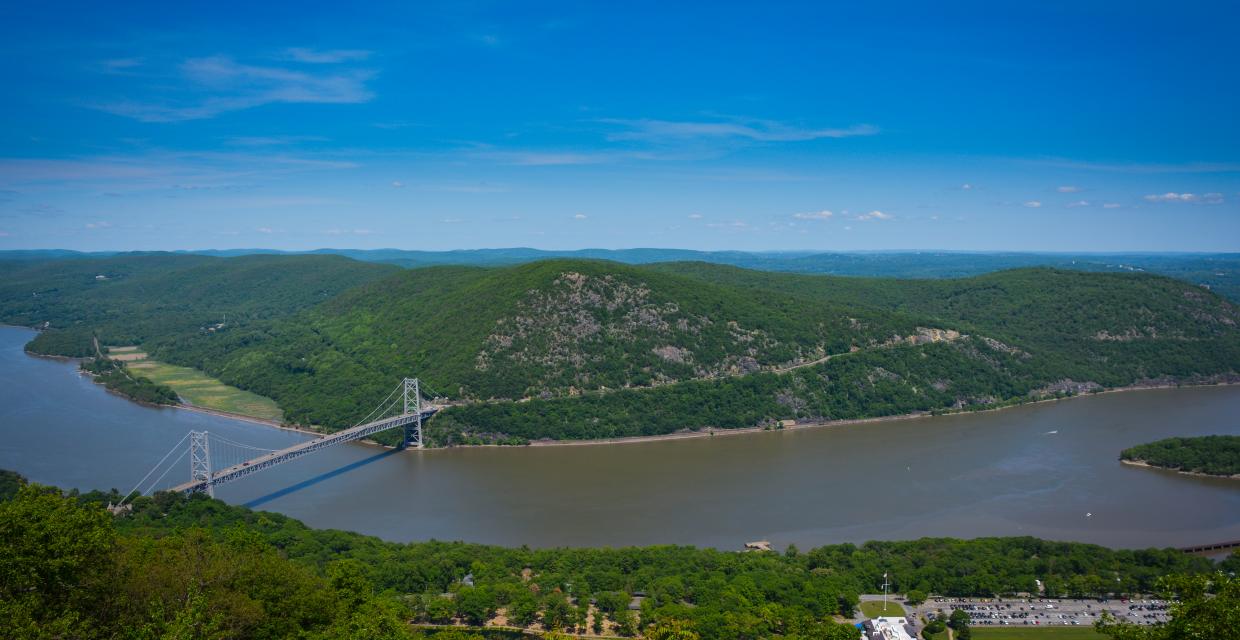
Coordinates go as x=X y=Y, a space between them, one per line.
x=1048 y=470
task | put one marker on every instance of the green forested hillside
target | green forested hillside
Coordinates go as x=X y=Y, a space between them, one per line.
x=1105 y=327
x=1212 y=455
x=133 y=298
x=548 y=329
x=1219 y=271
x=590 y=349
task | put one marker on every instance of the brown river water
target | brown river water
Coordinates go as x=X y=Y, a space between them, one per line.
x=1049 y=470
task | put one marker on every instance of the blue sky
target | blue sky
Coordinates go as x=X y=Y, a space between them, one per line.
x=1065 y=126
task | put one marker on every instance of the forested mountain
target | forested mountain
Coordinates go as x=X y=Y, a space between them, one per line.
x=135 y=298
x=1219 y=271
x=591 y=349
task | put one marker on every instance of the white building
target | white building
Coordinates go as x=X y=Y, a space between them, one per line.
x=889 y=629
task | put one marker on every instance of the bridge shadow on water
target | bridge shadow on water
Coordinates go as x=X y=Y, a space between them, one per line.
x=257 y=502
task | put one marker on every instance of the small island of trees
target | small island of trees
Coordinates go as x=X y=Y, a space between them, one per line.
x=1209 y=455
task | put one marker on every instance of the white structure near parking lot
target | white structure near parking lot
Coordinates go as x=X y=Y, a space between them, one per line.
x=888 y=629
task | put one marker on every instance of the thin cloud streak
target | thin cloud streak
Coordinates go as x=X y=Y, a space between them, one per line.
x=652 y=130
x=1188 y=167
x=331 y=56
x=216 y=85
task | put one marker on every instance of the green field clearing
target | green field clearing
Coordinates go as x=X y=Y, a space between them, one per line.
x=201 y=390
x=1036 y=633
x=874 y=609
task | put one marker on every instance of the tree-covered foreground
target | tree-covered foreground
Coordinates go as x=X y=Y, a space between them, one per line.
x=193 y=567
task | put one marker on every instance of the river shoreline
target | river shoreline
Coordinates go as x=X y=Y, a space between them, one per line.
x=1005 y=474
x=819 y=424
x=182 y=405
x=1198 y=474
x=681 y=435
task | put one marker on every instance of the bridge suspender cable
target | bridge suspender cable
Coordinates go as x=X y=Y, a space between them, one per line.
x=215 y=460
x=170 y=468
x=157 y=465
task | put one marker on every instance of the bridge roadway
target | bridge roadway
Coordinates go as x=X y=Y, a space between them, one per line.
x=274 y=458
x=1210 y=548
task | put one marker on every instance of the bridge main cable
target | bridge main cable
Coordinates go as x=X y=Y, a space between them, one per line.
x=154 y=468
x=409 y=420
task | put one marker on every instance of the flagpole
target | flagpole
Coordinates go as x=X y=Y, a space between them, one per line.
x=884 y=593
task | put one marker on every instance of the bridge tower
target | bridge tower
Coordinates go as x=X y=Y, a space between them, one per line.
x=200 y=460
x=413 y=404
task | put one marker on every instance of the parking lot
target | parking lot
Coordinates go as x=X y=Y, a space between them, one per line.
x=1046 y=611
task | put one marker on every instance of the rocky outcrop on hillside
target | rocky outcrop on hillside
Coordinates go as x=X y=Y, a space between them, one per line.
x=582 y=323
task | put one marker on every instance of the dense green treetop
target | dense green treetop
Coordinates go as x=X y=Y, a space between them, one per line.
x=1213 y=455
x=133 y=298
x=190 y=566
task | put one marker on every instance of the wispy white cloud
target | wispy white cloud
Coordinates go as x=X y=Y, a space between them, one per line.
x=734 y=224
x=1186 y=167
x=557 y=158
x=1111 y=205
x=875 y=215
x=397 y=184
x=42 y=210
x=464 y=188
x=263 y=202
x=1077 y=204
x=1068 y=189
x=163 y=170
x=98 y=225
x=121 y=65
x=966 y=187
x=208 y=87
x=579 y=216
x=1171 y=196
x=271 y=141
x=345 y=232
x=695 y=216
x=1033 y=204
x=758 y=130
x=395 y=124
x=814 y=215
x=329 y=56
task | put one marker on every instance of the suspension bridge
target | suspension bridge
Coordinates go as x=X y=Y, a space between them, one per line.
x=215 y=460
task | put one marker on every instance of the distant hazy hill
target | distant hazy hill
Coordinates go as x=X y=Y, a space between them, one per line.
x=587 y=349
x=139 y=297
x=1219 y=271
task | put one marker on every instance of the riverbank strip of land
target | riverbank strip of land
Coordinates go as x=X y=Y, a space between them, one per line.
x=817 y=424
x=709 y=432
x=1199 y=474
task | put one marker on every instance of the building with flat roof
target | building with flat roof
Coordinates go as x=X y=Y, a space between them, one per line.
x=891 y=628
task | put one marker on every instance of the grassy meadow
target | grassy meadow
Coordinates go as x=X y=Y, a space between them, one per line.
x=197 y=388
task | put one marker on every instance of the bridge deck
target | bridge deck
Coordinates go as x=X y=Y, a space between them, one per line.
x=1218 y=546
x=274 y=458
